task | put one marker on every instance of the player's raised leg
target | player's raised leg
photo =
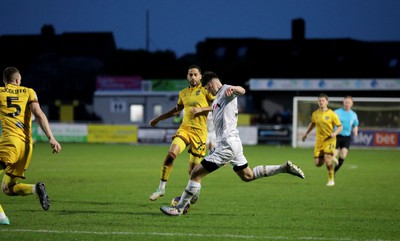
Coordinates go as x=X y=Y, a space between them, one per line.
x=270 y=170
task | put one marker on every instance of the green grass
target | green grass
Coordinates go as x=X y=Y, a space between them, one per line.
x=100 y=192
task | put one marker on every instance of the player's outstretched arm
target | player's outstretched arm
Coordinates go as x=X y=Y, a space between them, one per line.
x=45 y=126
x=238 y=90
x=195 y=111
x=176 y=110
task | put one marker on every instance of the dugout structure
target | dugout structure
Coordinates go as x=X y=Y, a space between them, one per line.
x=379 y=121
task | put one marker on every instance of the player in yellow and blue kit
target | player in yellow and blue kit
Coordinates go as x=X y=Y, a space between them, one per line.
x=350 y=123
x=324 y=120
x=193 y=130
x=17 y=104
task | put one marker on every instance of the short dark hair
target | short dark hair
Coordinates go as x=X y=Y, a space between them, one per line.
x=322 y=95
x=194 y=66
x=207 y=77
x=8 y=73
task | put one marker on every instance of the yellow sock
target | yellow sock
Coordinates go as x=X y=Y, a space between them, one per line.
x=165 y=171
x=167 y=166
x=1 y=209
x=22 y=189
x=331 y=173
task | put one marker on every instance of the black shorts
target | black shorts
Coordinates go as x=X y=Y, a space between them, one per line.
x=343 y=142
x=211 y=166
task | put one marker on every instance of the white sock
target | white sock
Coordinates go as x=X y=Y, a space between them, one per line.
x=162 y=185
x=191 y=189
x=2 y=215
x=267 y=171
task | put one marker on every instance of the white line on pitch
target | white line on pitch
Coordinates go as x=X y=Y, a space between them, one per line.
x=184 y=234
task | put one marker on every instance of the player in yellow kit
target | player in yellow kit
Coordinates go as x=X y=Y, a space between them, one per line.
x=17 y=104
x=193 y=130
x=324 y=119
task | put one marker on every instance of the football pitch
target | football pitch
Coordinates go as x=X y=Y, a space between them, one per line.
x=100 y=192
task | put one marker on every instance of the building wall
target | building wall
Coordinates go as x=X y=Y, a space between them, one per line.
x=114 y=106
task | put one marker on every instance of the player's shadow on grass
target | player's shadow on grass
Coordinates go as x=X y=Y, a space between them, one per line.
x=101 y=207
x=121 y=208
x=72 y=211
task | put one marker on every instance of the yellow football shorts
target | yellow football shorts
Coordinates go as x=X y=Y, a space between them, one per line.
x=324 y=147
x=194 y=137
x=16 y=156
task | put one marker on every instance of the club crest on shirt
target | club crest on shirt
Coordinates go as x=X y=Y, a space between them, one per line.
x=326 y=117
x=198 y=92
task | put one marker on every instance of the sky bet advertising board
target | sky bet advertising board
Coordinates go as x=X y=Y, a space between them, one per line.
x=377 y=138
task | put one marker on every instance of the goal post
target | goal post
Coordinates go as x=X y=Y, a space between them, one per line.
x=379 y=120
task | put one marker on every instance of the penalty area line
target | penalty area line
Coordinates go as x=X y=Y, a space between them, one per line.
x=237 y=236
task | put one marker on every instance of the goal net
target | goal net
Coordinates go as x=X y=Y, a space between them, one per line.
x=379 y=120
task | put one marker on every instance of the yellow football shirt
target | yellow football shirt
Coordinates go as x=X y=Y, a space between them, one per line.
x=15 y=113
x=194 y=97
x=324 y=123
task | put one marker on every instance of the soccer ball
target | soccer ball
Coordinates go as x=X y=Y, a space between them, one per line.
x=176 y=200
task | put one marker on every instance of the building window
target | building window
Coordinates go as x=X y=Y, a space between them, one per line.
x=136 y=113
x=118 y=105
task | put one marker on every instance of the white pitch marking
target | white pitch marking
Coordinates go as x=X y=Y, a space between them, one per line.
x=185 y=234
x=353 y=166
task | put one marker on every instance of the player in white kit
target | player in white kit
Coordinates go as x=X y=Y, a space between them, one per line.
x=229 y=147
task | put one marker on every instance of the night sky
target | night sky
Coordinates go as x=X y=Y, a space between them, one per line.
x=178 y=25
